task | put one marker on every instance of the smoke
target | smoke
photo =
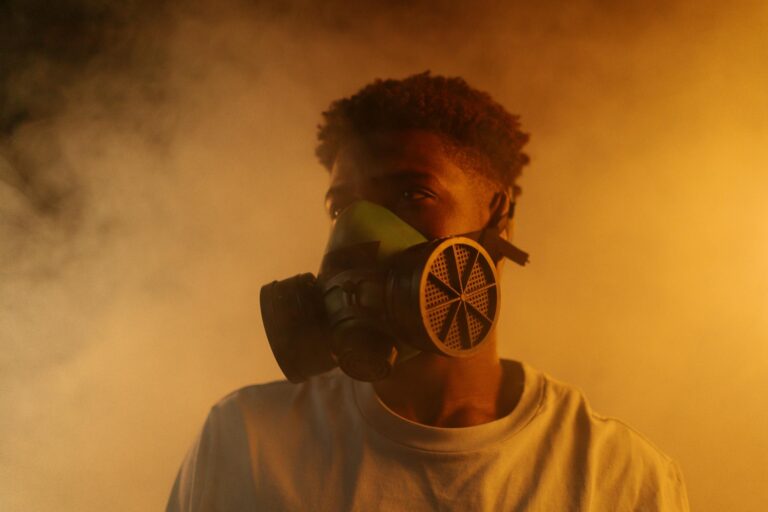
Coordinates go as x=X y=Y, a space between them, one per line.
x=156 y=167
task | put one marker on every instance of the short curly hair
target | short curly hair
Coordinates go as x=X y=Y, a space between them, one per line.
x=478 y=128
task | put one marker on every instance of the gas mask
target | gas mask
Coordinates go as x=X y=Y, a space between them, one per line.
x=383 y=294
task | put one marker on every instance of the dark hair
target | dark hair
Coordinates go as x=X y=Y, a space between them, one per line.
x=478 y=128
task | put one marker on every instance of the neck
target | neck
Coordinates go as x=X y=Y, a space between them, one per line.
x=452 y=392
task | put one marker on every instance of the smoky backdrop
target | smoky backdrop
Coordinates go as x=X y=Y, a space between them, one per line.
x=156 y=168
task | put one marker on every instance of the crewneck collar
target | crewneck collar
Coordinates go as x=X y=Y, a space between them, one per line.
x=441 y=439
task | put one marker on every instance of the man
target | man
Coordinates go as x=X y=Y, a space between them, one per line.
x=436 y=432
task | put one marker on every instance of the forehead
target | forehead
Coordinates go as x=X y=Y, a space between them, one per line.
x=383 y=154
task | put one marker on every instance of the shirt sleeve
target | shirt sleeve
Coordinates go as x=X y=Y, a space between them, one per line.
x=663 y=490
x=673 y=496
x=216 y=472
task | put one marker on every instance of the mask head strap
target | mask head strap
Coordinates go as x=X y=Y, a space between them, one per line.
x=490 y=236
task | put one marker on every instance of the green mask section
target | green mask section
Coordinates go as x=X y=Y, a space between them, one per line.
x=365 y=222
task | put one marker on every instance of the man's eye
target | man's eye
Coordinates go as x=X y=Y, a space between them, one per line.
x=415 y=195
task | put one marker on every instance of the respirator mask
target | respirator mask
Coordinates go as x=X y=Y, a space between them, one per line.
x=383 y=294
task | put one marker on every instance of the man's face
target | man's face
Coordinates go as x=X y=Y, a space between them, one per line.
x=410 y=173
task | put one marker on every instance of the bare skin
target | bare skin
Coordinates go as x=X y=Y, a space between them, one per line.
x=412 y=174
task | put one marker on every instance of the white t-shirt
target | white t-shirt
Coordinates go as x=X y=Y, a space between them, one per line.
x=331 y=444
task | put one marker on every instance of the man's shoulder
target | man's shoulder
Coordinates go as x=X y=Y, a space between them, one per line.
x=616 y=458
x=609 y=439
x=281 y=398
x=282 y=389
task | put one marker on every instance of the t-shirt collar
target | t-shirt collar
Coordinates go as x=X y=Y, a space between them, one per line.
x=441 y=439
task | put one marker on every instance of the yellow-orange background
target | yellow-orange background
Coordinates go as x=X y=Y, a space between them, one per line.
x=644 y=210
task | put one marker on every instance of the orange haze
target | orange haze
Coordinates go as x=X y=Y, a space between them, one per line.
x=644 y=210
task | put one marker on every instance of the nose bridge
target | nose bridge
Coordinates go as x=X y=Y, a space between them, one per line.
x=359 y=187
x=361 y=170
x=369 y=189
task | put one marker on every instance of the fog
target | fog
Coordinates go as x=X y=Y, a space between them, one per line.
x=156 y=168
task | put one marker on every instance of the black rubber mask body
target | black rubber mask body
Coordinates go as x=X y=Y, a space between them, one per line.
x=383 y=294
